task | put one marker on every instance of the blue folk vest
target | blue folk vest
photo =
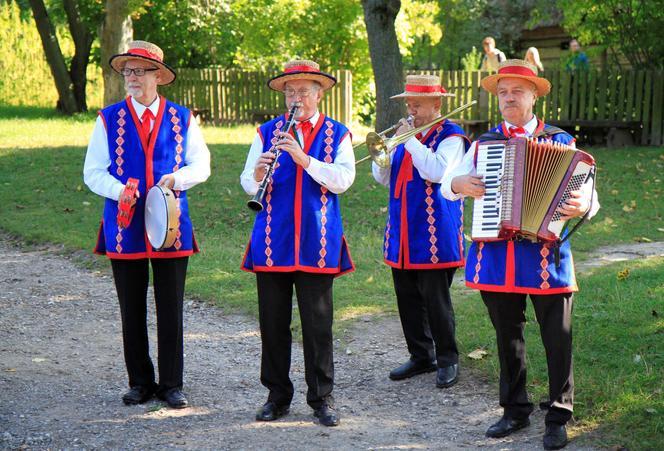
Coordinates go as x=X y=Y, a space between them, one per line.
x=299 y=228
x=133 y=156
x=424 y=230
x=522 y=266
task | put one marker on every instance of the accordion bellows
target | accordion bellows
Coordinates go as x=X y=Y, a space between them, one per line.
x=526 y=181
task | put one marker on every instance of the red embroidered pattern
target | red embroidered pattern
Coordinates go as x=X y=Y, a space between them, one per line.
x=387 y=236
x=431 y=220
x=478 y=266
x=544 y=252
x=120 y=141
x=118 y=238
x=178 y=138
x=429 y=201
x=268 y=202
x=323 y=198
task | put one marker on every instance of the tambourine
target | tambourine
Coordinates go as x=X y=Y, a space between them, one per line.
x=126 y=203
x=161 y=217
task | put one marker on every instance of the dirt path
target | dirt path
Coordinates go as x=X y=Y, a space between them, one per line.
x=62 y=375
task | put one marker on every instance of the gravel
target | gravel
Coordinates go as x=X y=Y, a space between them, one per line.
x=62 y=376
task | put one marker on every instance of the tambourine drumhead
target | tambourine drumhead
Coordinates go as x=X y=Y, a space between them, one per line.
x=161 y=220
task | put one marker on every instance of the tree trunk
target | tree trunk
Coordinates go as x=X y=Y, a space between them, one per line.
x=83 y=43
x=63 y=83
x=116 y=33
x=379 y=16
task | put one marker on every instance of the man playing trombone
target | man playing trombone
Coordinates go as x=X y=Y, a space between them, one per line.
x=297 y=239
x=423 y=240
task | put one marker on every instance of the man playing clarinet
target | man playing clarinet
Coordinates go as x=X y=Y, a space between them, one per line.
x=507 y=271
x=297 y=239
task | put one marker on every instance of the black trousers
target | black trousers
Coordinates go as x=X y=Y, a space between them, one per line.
x=427 y=315
x=131 y=282
x=554 y=315
x=314 y=300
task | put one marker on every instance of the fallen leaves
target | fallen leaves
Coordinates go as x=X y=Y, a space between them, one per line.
x=624 y=274
x=477 y=354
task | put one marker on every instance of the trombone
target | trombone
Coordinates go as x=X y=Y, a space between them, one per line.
x=380 y=148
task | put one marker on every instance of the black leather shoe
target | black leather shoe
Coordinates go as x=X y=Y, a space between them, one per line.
x=326 y=415
x=412 y=368
x=505 y=426
x=448 y=376
x=555 y=436
x=174 y=398
x=270 y=412
x=138 y=395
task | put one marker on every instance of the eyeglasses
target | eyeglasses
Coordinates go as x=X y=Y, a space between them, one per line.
x=303 y=93
x=139 y=71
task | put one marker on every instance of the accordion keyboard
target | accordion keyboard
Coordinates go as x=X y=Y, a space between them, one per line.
x=487 y=209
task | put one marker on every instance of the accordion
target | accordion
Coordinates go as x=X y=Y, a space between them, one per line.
x=526 y=181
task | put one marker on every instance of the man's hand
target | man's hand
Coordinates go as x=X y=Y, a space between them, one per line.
x=262 y=164
x=577 y=205
x=288 y=144
x=404 y=126
x=167 y=180
x=468 y=185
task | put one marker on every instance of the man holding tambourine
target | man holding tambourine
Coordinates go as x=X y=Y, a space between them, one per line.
x=144 y=142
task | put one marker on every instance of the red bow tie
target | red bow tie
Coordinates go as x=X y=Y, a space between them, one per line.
x=517 y=131
x=305 y=127
x=146 y=117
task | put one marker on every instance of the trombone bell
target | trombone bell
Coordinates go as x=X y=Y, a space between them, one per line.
x=378 y=150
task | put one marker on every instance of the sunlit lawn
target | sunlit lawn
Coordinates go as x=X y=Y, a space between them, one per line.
x=619 y=331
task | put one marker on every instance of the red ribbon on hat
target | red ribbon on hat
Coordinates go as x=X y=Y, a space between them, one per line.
x=418 y=88
x=517 y=70
x=145 y=53
x=301 y=69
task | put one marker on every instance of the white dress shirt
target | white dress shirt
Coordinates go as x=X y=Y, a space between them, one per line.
x=432 y=166
x=97 y=158
x=467 y=167
x=337 y=176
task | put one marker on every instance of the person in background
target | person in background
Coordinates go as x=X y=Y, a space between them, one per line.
x=577 y=59
x=532 y=56
x=492 y=56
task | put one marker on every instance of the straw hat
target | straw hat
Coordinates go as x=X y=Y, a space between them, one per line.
x=144 y=51
x=517 y=69
x=423 y=86
x=301 y=70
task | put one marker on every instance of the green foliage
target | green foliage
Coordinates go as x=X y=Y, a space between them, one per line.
x=25 y=77
x=192 y=34
x=472 y=59
x=331 y=33
x=627 y=26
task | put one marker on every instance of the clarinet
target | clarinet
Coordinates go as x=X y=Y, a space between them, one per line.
x=256 y=202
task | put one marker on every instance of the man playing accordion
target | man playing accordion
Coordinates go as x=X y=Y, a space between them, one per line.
x=507 y=270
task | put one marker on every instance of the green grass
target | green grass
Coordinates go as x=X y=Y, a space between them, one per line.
x=619 y=397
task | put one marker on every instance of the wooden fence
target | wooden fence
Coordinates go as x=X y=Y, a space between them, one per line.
x=632 y=100
x=225 y=96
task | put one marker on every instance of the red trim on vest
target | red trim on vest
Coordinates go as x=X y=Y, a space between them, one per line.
x=509 y=266
x=517 y=70
x=521 y=290
x=418 y=88
x=145 y=53
x=103 y=120
x=301 y=69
